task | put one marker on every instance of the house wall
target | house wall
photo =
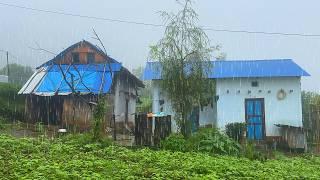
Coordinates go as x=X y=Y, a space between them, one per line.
x=231 y=106
x=77 y=112
x=207 y=115
x=123 y=91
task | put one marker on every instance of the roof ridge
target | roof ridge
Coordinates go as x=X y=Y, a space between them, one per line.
x=240 y=60
x=251 y=60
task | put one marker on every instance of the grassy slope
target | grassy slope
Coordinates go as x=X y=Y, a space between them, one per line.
x=35 y=159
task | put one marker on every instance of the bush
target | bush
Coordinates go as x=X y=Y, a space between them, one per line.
x=249 y=151
x=175 y=142
x=206 y=140
x=11 y=104
x=236 y=130
x=83 y=140
x=214 y=142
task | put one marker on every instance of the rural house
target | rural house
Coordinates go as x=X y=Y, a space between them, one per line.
x=63 y=90
x=266 y=94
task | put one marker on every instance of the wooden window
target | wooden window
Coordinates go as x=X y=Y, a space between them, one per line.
x=90 y=58
x=75 y=58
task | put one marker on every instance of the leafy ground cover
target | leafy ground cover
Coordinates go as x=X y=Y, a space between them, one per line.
x=11 y=104
x=75 y=158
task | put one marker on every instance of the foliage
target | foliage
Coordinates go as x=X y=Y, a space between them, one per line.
x=11 y=104
x=309 y=99
x=206 y=140
x=145 y=101
x=2 y=122
x=236 y=130
x=98 y=117
x=43 y=159
x=175 y=142
x=145 y=105
x=249 y=151
x=310 y=109
x=82 y=140
x=214 y=142
x=39 y=127
x=184 y=54
x=19 y=74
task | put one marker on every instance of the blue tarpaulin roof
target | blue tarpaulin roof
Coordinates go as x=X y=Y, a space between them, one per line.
x=84 y=78
x=240 y=68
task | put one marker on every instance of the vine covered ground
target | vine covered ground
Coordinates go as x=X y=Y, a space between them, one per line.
x=68 y=159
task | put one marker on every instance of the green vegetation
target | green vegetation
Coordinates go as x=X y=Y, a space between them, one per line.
x=236 y=130
x=184 y=53
x=11 y=104
x=98 y=117
x=19 y=74
x=206 y=140
x=70 y=158
x=145 y=102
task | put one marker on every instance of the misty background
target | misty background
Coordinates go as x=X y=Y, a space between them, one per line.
x=21 y=29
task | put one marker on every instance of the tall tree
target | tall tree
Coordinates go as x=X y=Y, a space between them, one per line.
x=184 y=54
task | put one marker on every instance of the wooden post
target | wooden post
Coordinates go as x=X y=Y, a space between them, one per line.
x=114 y=127
x=8 y=70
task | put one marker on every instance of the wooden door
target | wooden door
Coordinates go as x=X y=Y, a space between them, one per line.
x=255 y=118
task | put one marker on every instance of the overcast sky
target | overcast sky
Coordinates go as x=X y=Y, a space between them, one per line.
x=129 y=43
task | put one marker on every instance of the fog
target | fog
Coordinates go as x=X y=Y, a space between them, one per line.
x=21 y=29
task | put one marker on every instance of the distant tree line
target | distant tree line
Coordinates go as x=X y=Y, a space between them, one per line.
x=310 y=102
x=18 y=73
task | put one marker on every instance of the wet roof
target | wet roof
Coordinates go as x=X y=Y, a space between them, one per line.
x=240 y=68
x=64 y=79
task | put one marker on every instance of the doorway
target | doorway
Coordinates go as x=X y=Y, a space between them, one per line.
x=255 y=118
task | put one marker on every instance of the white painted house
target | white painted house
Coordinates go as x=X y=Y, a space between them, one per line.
x=261 y=93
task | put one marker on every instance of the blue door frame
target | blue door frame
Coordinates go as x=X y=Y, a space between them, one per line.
x=255 y=118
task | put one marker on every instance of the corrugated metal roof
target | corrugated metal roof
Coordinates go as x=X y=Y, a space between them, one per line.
x=85 y=79
x=240 y=68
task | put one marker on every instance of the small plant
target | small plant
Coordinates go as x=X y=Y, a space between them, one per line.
x=236 y=130
x=2 y=122
x=175 y=142
x=98 y=117
x=206 y=140
x=39 y=127
x=212 y=141
x=249 y=151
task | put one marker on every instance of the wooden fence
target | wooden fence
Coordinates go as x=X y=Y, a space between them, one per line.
x=149 y=131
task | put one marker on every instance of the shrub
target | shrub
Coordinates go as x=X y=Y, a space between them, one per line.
x=206 y=140
x=249 y=151
x=11 y=104
x=212 y=141
x=83 y=140
x=236 y=130
x=175 y=142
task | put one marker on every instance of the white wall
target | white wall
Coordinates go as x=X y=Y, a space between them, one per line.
x=120 y=101
x=206 y=117
x=231 y=107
